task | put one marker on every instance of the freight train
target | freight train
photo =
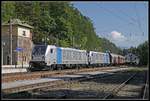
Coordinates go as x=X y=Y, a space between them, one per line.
x=50 y=57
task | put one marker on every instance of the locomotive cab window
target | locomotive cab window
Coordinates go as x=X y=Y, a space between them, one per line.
x=51 y=50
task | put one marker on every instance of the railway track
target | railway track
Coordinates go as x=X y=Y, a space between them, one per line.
x=41 y=85
x=145 y=88
x=140 y=91
x=11 y=87
x=83 y=82
x=117 y=89
x=107 y=88
x=33 y=75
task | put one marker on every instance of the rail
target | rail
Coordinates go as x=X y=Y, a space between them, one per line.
x=51 y=84
x=45 y=85
x=145 y=88
x=115 y=90
x=33 y=75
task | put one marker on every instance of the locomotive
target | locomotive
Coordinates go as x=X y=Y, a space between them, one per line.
x=51 y=57
x=132 y=59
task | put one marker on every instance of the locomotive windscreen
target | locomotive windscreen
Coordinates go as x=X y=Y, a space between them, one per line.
x=39 y=50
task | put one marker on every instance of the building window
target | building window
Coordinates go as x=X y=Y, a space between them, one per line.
x=51 y=50
x=24 y=33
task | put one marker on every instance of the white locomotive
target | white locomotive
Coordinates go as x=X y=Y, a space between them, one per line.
x=49 y=57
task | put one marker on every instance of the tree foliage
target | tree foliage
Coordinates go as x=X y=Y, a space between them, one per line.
x=58 y=23
x=8 y=9
x=142 y=52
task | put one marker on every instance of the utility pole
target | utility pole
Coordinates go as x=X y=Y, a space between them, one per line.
x=3 y=45
x=45 y=40
x=22 y=58
x=10 y=42
x=58 y=40
x=72 y=39
x=2 y=53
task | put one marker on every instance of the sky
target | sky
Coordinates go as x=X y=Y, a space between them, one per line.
x=123 y=23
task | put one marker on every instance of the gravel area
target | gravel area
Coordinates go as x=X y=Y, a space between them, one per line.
x=96 y=88
x=100 y=87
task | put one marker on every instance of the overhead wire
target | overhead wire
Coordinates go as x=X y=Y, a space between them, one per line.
x=108 y=29
x=130 y=17
x=138 y=20
x=122 y=19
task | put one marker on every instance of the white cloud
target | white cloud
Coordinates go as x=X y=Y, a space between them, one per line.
x=117 y=36
x=123 y=41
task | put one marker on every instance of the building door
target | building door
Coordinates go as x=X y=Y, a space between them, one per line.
x=8 y=60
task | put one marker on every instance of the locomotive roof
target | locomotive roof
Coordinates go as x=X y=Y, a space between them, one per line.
x=66 y=48
x=97 y=52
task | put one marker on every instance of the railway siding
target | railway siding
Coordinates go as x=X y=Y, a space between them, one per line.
x=36 y=79
x=82 y=85
x=33 y=75
x=134 y=88
x=100 y=87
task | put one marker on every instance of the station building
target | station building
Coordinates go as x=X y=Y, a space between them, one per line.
x=21 y=39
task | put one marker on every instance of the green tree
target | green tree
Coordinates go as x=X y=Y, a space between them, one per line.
x=58 y=23
x=142 y=51
x=8 y=10
x=46 y=26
